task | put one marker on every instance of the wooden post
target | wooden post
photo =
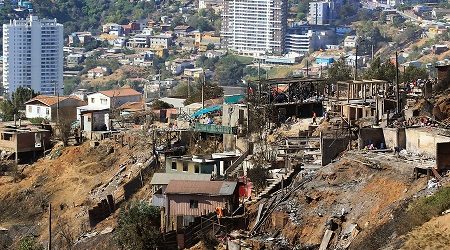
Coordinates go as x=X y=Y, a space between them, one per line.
x=49 y=226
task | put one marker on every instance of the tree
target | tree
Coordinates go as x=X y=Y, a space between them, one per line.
x=229 y=70
x=381 y=71
x=20 y=96
x=9 y=108
x=138 y=226
x=413 y=73
x=71 y=84
x=258 y=175
x=339 y=71
x=211 y=91
x=158 y=104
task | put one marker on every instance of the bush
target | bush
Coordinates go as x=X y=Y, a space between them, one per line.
x=138 y=227
x=30 y=243
x=425 y=208
x=37 y=120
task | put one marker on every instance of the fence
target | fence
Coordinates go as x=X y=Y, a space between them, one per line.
x=138 y=181
x=190 y=235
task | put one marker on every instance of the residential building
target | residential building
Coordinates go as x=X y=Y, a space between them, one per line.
x=194 y=73
x=183 y=30
x=160 y=42
x=109 y=27
x=324 y=60
x=33 y=55
x=113 y=98
x=350 y=41
x=214 y=164
x=95 y=115
x=202 y=40
x=189 y=199
x=206 y=4
x=74 y=60
x=254 y=27
x=439 y=48
x=139 y=41
x=98 y=72
x=323 y=12
x=302 y=43
x=177 y=66
x=80 y=38
x=53 y=107
x=160 y=181
x=319 y=13
x=22 y=140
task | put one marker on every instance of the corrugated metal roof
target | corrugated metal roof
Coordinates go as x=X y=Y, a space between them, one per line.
x=165 y=178
x=211 y=188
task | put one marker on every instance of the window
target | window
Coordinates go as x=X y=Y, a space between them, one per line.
x=47 y=111
x=30 y=109
x=185 y=166
x=92 y=100
x=193 y=203
x=174 y=165
x=197 y=169
x=104 y=101
x=38 y=110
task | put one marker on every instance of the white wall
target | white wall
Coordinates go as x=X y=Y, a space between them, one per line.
x=99 y=100
x=35 y=111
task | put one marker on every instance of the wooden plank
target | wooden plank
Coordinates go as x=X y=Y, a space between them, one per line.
x=326 y=239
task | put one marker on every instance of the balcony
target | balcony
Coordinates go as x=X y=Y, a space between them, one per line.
x=214 y=129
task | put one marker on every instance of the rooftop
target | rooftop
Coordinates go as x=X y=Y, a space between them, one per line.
x=209 y=188
x=165 y=178
x=50 y=100
x=120 y=92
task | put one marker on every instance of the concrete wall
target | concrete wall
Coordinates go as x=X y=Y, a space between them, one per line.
x=421 y=141
x=331 y=148
x=394 y=137
x=370 y=135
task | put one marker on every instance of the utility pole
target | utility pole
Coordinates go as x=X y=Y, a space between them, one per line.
x=56 y=92
x=259 y=78
x=189 y=87
x=203 y=91
x=372 y=51
x=307 y=68
x=159 y=84
x=49 y=226
x=397 y=90
x=356 y=63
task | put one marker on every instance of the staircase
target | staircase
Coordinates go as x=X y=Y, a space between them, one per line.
x=234 y=169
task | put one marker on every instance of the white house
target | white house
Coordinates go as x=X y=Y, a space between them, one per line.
x=50 y=107
x=95 y=115
x=113 y=98
x=98 y=72
x=350 y=41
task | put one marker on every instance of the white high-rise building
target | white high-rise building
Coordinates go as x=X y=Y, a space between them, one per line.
x=254 y=27
x=33 y=55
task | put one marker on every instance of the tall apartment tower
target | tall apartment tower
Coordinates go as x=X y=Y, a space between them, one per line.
x=33 y=55
x=254 y=27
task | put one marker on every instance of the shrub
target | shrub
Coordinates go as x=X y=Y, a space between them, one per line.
x=138 y=227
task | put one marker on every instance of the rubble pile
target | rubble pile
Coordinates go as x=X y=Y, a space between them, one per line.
x=347 y=199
